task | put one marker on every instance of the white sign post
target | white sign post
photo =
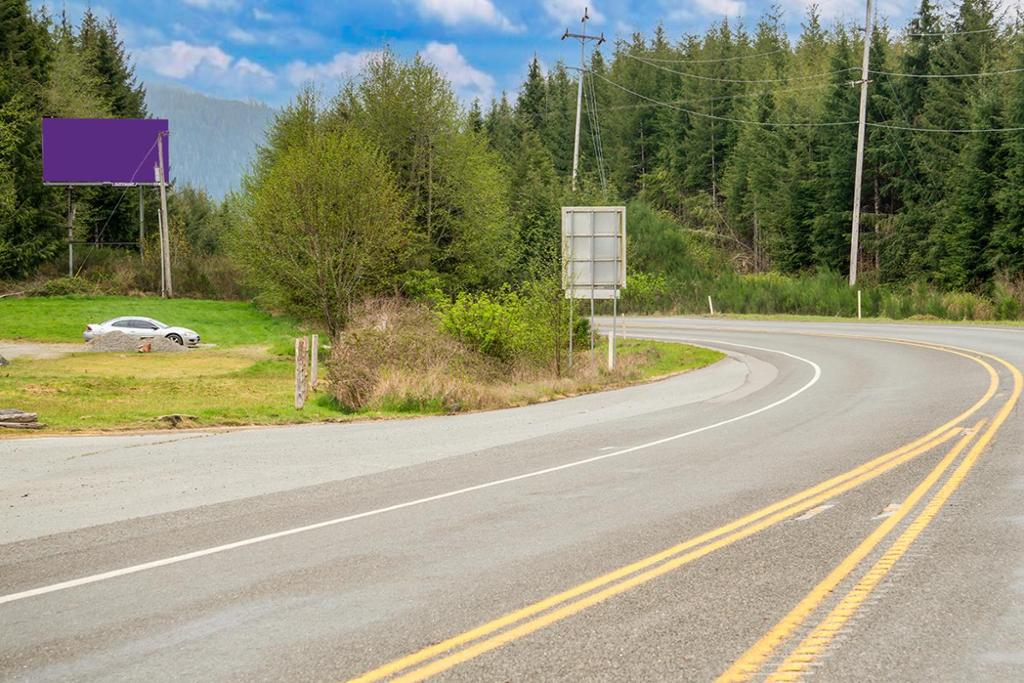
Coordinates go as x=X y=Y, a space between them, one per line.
x=594 y=260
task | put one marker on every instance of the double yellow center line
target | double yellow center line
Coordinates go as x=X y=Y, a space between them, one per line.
x=442 y=656
x=807 y=651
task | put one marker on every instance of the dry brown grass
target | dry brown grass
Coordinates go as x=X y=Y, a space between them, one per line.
x=394 y=358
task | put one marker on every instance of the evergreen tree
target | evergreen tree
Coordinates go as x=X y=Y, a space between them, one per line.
x=1007 y=245
x=833 y=185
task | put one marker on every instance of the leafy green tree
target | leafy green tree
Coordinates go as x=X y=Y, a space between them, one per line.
x=324 y=227
x=457 y=193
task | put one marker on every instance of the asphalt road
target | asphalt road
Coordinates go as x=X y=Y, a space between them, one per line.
x=838 y=501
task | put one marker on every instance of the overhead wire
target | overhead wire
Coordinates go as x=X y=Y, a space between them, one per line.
x=595 y=130
x=805 y=77
x=719 y=60
x=805 y=124
x=951 y=33
x=980 y=74
x=772 y=124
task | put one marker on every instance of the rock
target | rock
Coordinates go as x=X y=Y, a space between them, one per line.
x=4 y=361
x=177 y=420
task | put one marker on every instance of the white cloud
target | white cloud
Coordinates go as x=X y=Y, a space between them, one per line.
x=455 y=12
x=571 y=11
x=238 y=34
x=179 y=59
x=342 y=65
x=843 y=10
x=469 y=81
x=731 y=8
x=246 y=67
x=207 y=65
x=262 y=15
x=222 y=5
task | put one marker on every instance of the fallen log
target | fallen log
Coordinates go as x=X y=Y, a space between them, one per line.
x=22 y=425
x=15 y=415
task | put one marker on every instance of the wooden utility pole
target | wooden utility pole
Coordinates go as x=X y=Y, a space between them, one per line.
x=583 y=38
x=861 y=133
x=167 y=288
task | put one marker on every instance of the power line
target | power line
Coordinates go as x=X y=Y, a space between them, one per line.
x=807 y=124
x=738 y=80
x=771 y=124
x=719 y=60
x=717 y=98
x=951 y=33
x=946 y=130
x=980 y=74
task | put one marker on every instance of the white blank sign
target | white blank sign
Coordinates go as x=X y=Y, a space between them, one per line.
x=593 y=251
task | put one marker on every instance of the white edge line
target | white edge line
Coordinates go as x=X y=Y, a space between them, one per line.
x=95 y=578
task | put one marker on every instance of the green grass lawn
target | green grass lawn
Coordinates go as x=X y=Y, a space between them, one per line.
x=63 y=318
x=243 y=385
x=95 y=391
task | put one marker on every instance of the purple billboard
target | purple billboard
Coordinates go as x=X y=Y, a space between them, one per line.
x=103 y=151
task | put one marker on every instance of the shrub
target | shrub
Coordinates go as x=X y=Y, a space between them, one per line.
x=493 y=324
x=524 y=327
x=64 y=286
x=394 y=354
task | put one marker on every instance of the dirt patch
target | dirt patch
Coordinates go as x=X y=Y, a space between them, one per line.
x=119 y=342
x=38 y=350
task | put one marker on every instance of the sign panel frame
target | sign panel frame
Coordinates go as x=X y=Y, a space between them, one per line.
x=593 y=251
x=113 y=152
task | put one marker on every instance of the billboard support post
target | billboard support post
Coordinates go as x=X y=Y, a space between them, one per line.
x=142 y=223
x=165 y=247
x=71 y=233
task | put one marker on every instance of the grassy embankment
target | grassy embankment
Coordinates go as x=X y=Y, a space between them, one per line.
x=246 y=379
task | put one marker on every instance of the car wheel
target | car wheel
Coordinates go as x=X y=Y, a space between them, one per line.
x=176 y=338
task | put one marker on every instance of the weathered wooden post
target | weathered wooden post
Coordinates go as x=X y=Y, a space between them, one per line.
x=300 y=372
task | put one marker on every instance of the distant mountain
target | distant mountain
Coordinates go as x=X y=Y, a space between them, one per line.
x=212 y=140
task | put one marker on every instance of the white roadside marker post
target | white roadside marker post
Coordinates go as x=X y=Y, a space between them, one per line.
x=711 y=305
x=858 y=304
x=300 y=372
x=314 y=361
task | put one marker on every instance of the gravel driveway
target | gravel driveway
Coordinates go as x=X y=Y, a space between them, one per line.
x=16 y=349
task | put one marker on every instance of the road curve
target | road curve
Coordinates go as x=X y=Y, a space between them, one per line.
x=834 y=499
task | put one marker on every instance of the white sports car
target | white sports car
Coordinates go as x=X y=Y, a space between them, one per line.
x=142 y=328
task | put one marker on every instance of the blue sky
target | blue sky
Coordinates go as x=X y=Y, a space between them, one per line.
x=265 y=49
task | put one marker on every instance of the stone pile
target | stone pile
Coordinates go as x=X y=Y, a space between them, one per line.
x=119 y=342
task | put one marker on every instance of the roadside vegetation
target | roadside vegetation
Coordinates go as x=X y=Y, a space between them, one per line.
x=251 y=385
x=421 y=236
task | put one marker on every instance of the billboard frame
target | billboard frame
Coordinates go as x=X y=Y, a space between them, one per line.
x=593 y=242
x=60 y=135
